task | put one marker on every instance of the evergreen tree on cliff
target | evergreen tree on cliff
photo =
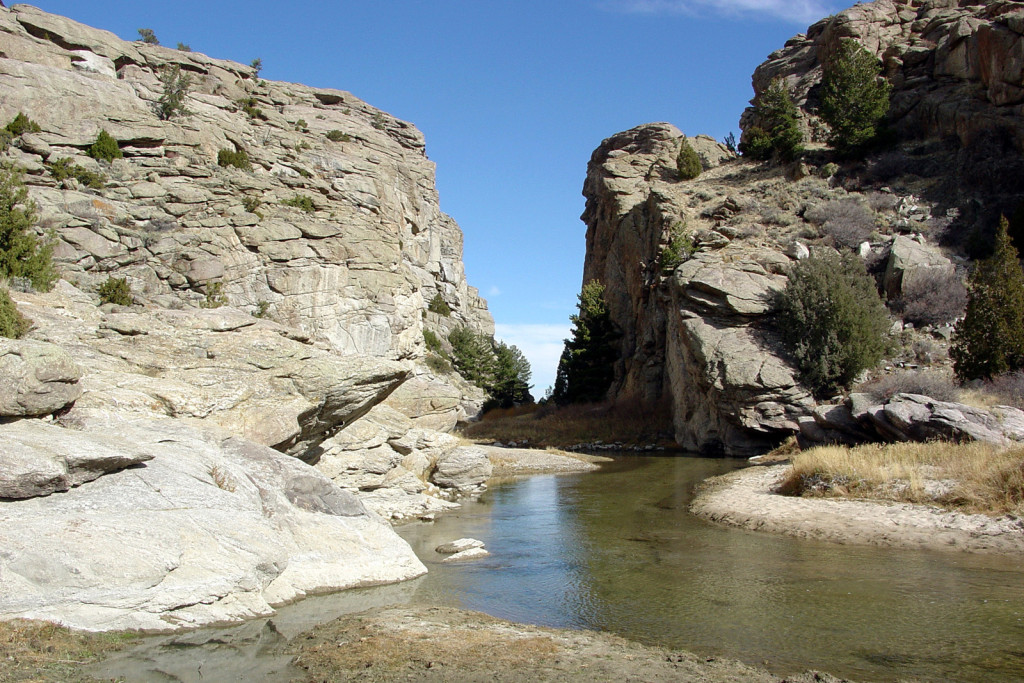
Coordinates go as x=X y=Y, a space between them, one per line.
x=777 y=135
x=990 y=339
x=585 y=370
x=854 y=98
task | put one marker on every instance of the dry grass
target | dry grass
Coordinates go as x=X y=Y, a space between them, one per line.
x=627 y=422
x=973 y=477
x=40 y=651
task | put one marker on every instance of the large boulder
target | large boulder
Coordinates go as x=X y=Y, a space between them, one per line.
x=213 y=529
x=910 y=259
x=464 y=468
x=37 y=378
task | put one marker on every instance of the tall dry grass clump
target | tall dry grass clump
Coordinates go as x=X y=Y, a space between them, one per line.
x=974 y=477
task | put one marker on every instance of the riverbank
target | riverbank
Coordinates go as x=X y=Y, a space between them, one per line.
x=746 y=499
x=512 y=462
x=446 y=644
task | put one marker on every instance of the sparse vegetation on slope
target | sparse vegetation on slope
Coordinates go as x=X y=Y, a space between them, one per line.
x=22 y=254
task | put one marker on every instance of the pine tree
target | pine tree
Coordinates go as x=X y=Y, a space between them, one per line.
x=586 y=368
x=990 y=339
x=778 y=132
x=854 y=99
x=22 y=254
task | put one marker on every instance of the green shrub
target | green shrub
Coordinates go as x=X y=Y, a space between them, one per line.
x=832 y=320
x=438 y=365
x=687 y=162
x=679 y=248
x=5 y=139
x=432 y=341
x=22 y=124
x=300 y=201
x=105 y=148
x=338 y=136
x=251 y=204
x=854 y=99
x=257 y=67
x=116 y=291
x=182 y=47
x=147 y=36
x=379 y=122
x=13 y=324
x=237 y=158
x=989 y=341
x=262 y=308
x=215 y=297
x=777 y=134
x=65 y=168
x=250 y=105
x=176 y=87
x=302 y=126
x=22 y=254
x=439 y=305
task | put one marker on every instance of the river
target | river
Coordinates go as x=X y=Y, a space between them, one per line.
x=617 y=551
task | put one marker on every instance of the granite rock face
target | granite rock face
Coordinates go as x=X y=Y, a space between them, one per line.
x=37 y=378
x=956 y=70
x=213 y=529
x=357 y=271
x=695 y=335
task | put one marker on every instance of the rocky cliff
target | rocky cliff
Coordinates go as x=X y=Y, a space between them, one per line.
x=956 y=69
x=238 y=436
x=356 y=269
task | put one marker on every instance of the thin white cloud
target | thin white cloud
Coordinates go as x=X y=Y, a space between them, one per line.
x=799 y=11
x=542 y=346
x=494 y=291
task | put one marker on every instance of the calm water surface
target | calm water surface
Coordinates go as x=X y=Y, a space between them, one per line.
x=617 y=551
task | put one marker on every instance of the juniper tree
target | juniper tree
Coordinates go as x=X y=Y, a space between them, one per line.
x=777 y=134
x=854 y=98
x=687 y=162
x=990 y=339
x=22 y=253
x=585 y=369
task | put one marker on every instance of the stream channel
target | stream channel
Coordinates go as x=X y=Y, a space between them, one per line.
x=617 y=551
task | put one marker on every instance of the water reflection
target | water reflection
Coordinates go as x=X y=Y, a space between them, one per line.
x=618 y=551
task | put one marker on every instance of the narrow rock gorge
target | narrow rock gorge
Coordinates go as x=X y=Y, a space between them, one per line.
x=240 y=435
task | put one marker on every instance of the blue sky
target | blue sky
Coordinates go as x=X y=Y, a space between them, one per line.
x=513 y=97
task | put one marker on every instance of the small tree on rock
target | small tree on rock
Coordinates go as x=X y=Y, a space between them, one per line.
x=176 y=87
x=687 y=162
x=22 y=254
x=777 y=134
x=990 y=339
x=854 y=98
x=147 y=36
x=832 y=320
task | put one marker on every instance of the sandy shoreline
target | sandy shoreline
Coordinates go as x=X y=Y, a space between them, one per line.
x=744 y=499
x=512 y=462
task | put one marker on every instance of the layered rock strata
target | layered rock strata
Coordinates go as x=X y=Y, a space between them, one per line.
x=356 y=266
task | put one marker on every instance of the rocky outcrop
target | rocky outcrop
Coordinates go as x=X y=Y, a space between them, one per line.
x=956 y=70
x=212 y=529
x=910 y=417
x=356 y=271
x=217 y=437
x=695 y=334
x=38 y=379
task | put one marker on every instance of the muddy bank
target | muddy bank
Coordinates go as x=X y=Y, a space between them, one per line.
x=745 y=499
x=511 y=462
x=445 y=644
